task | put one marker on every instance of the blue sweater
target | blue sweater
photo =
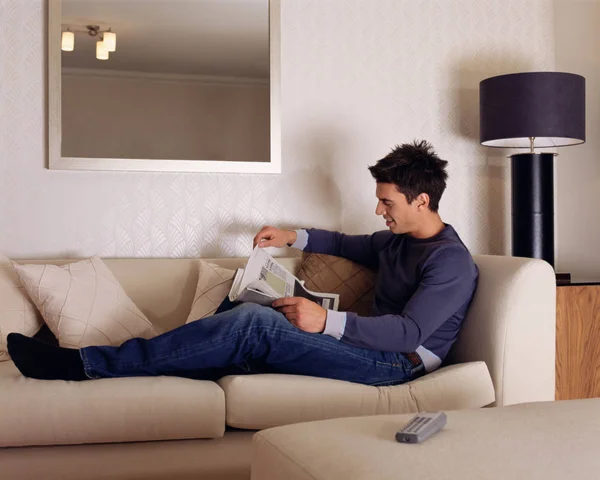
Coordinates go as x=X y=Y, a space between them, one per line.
x=423 y=290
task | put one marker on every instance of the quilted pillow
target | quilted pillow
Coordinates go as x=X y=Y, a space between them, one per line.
x=83 y=304
x=17 y=312
x=214 y=283
x=354 y=283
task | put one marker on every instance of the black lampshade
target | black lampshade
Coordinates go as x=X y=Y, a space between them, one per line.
x=549 y=106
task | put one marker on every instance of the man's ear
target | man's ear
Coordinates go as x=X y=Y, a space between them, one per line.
x=422 y=201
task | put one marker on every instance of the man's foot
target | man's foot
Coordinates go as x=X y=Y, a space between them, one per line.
x=39 y=360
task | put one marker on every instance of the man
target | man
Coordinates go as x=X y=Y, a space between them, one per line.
x=425 y=283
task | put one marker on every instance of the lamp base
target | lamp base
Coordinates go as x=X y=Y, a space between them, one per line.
x=563 y=278
x=533 y=205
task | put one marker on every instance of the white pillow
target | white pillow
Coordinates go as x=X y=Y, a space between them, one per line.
x=17 y=312
x=214 y=283
x=83 y=304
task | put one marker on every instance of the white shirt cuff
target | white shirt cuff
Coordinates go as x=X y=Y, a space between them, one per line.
x=430 y=359
x=301 y=239
x=335 y=324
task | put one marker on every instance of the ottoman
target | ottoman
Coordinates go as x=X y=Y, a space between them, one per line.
x=545 y=441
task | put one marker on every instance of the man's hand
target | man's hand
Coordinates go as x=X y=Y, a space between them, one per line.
x=273 y=237
x=302 y=313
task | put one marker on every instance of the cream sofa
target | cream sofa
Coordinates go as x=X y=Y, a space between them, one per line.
x=166 y=427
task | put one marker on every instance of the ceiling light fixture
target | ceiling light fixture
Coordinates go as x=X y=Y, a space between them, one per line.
x=101 y=51
x=67 y=41
x=106 y=44
x=110 y=40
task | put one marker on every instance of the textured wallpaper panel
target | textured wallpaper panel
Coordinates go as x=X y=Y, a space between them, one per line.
x=358 y=77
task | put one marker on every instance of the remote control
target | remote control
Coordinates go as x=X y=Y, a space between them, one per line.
x=421 y=427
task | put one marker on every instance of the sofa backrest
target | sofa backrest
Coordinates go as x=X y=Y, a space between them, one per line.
x=164 y=288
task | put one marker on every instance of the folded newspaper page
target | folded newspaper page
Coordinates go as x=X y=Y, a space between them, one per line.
x=264 y=280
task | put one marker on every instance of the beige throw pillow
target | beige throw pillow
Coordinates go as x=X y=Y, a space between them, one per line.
x=329 y=274
x=17 y=312
x=214 y=283
x=83 y=304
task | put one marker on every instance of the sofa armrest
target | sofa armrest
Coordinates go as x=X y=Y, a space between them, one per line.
x=511 y=326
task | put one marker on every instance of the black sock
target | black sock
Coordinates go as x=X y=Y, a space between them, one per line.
x=39 y=360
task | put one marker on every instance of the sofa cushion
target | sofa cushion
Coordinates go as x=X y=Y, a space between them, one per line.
x=37 y=412
x=329 y=274
x=83 y=304
x=214 y=283
x=17 y=311
x=263 y=401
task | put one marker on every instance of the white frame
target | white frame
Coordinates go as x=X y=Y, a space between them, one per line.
x=57 y=162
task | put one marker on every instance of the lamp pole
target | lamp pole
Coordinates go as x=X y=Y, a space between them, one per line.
x=532 y=195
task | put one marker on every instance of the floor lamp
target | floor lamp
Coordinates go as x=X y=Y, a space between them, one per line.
x=527 y=110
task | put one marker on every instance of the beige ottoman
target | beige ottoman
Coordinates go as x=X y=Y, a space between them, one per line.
x=545 y=441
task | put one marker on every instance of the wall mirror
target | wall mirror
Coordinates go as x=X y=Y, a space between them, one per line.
x=164 y=85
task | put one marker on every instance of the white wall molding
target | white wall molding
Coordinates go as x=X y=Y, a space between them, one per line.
x=163 y=77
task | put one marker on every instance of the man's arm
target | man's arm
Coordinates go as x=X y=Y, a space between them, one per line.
x=447 y=284
x=363 y=249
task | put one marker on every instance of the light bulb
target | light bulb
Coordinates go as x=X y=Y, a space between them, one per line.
x=68 y=41
x=101 y=51
x=110 y=41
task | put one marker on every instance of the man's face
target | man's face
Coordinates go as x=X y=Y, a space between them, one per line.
x=399 y=215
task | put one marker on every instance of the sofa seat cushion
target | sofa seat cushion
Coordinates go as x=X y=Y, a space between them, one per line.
x=268 y=400
x=38 y=412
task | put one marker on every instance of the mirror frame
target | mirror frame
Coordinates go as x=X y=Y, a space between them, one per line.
x=57 y=162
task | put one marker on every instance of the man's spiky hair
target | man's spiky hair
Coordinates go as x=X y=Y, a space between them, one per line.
x=414 y=168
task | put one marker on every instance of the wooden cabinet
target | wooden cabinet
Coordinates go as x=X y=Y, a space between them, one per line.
x=577 y=341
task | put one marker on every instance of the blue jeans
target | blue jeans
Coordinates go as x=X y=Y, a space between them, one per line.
x=247 y=339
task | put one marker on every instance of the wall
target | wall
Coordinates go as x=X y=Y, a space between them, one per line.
x=182 y=119
x=357 y=77
x=578 y=168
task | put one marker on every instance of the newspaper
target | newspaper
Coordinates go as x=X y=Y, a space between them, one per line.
x=264 y=280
